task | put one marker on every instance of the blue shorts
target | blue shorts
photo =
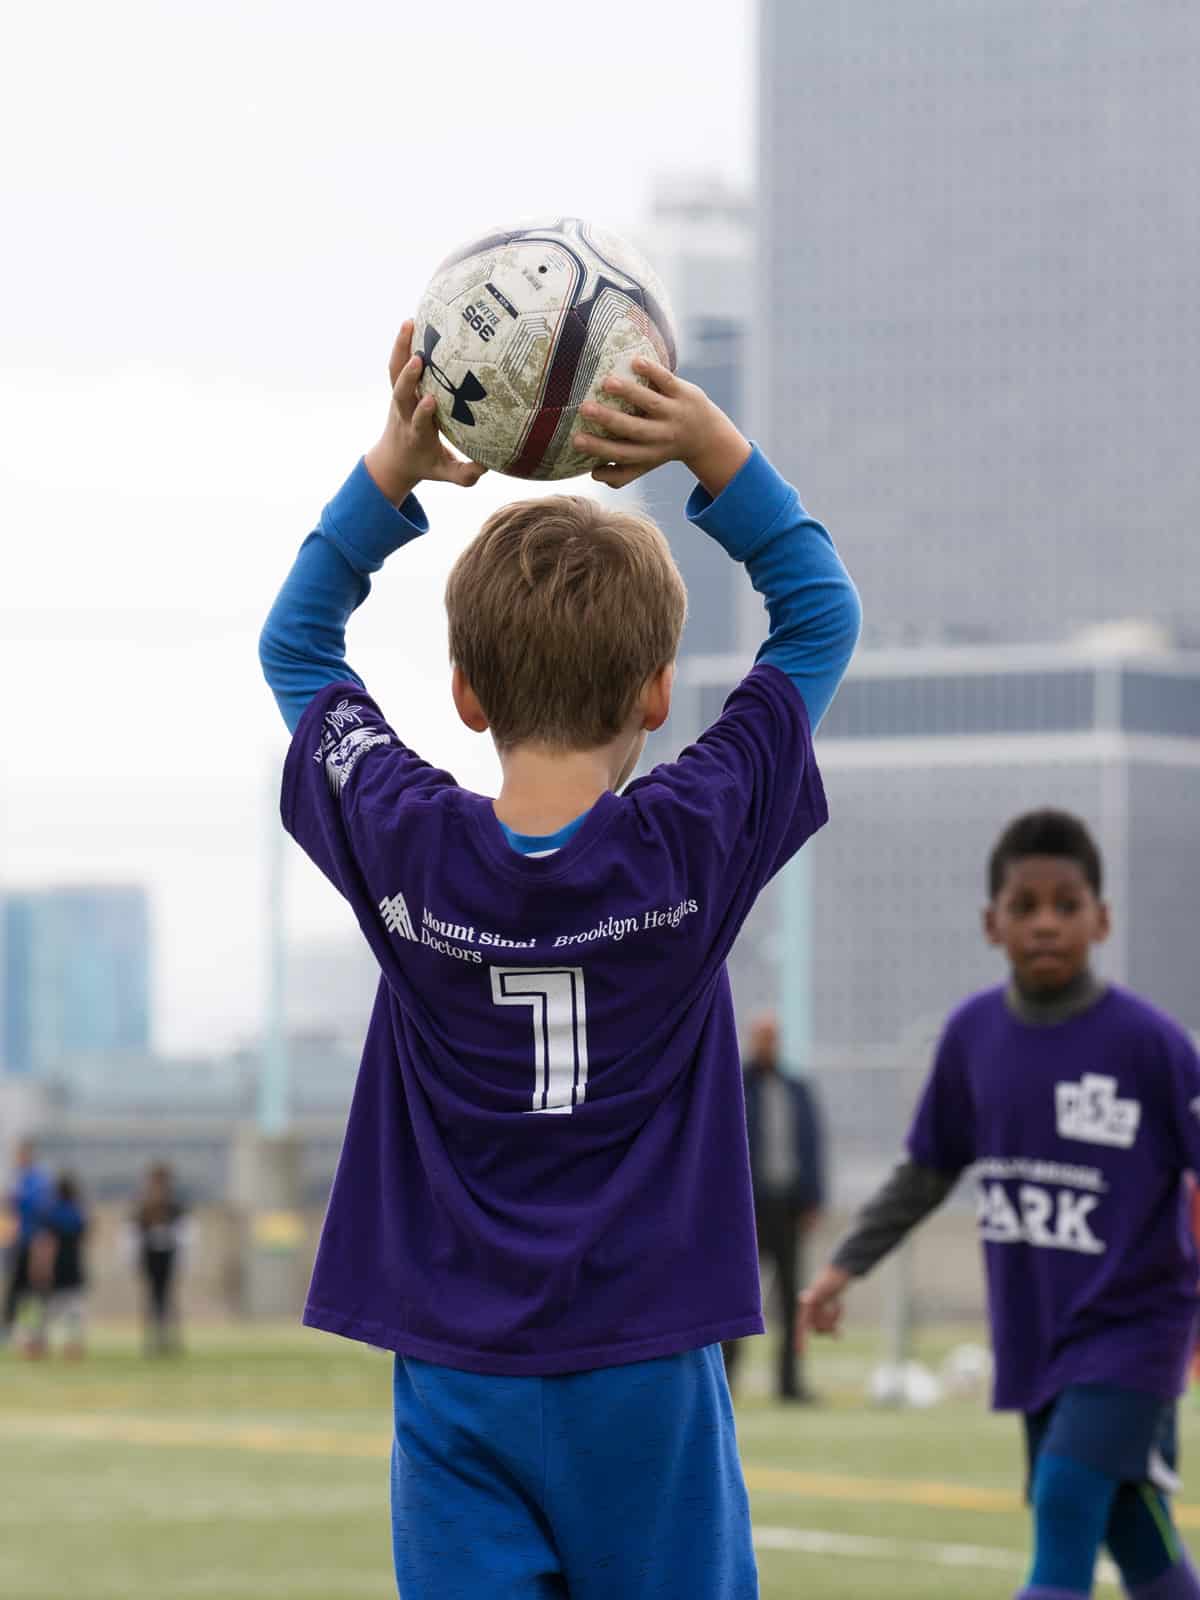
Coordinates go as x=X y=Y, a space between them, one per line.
x=623 y=1482
x=1120 y=1432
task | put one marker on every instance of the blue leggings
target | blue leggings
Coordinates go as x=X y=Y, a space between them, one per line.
x=1077 y=1509
x=1101 y=1458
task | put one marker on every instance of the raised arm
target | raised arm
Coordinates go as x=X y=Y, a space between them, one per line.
x=302 y=646
x=753 y=513
x=812 y=605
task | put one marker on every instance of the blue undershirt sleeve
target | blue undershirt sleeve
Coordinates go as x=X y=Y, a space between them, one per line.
x=812 y=605
x=302 y=646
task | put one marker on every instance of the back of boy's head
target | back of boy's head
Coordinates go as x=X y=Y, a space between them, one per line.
x=560 y=610
x=1046 y=833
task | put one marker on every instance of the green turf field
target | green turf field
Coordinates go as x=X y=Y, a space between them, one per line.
x=255 y=1468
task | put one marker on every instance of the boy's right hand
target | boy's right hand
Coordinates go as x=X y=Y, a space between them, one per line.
x=823 y=1302
x=673 y=420
x=410 y=447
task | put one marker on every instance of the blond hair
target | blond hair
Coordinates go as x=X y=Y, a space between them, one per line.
x=560 y=610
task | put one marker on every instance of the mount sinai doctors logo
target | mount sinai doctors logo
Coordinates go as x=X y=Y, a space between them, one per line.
x=396 y=919
x=1090 y=1111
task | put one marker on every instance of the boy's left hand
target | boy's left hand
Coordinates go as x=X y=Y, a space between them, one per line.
x=669 y=420
x=411 y=448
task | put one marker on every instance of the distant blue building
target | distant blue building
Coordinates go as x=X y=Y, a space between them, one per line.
x=75 y=973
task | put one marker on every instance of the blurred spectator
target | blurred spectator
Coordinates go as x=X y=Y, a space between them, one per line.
x=160 y=1227
x=56 y=1269
x=787 y=1167
x=27 y=1198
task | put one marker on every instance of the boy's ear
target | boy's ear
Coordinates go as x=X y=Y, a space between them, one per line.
x=1103 y=922
x=656 y=698
x=990 y=931
x=466 y=702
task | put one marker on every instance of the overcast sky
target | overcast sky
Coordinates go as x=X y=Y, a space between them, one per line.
x=216 y=215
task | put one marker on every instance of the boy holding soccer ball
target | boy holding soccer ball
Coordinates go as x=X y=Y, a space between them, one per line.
x=543 y=1203
x=1077 y=1106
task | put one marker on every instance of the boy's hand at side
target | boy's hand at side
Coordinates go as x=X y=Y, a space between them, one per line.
x=823 y=1302
x=410 y=447
x=673 y=421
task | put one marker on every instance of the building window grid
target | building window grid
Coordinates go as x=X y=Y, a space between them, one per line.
x=941 y=705
x=996 y=704
x=1161 y=703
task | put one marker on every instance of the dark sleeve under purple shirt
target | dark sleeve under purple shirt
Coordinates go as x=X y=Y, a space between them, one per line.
x=1078 y=1136
x=545 y=1167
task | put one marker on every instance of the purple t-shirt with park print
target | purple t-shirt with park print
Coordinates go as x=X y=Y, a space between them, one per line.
x=1079 y=1135
x=545 y=1168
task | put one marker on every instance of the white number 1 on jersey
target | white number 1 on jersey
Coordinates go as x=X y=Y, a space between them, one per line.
x=555 y=997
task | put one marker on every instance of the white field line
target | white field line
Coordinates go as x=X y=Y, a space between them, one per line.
x=797 y=1541
x=860 y=1547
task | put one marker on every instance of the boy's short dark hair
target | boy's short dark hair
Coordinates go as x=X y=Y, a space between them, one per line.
x=560 y=610
x=1045 y=833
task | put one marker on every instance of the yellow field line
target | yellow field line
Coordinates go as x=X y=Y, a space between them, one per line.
x=216 y=1435
x=902 y=1492
x=883 y=1491
x=372 y=1447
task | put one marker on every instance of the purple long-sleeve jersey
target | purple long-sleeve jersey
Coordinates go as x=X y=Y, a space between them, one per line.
x=545 y=1168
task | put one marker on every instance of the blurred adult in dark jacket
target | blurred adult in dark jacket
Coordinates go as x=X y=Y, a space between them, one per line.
x=160 y=1230
x=787 y=1165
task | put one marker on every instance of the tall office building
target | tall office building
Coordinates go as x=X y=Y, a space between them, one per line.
x=76 y=974
x=977 y=341
x=926 y=755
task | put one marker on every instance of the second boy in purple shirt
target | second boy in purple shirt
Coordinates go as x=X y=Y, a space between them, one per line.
x=1076 y=1106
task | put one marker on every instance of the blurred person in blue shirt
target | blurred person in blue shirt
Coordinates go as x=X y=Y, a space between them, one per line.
x=57 y=1271
x=27 y=1198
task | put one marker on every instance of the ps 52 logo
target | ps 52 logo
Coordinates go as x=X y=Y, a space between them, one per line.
x=1090 y=1110
x=461 y=393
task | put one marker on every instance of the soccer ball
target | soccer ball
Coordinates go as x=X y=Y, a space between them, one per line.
x=518 y=328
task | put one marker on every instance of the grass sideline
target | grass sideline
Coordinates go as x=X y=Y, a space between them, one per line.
x=254 y=1468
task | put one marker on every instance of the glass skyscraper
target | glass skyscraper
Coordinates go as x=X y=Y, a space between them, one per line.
x=76 y=974
x=977 y=336
x=975 y=349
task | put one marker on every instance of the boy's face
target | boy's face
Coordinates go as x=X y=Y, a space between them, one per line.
x=1046 y=917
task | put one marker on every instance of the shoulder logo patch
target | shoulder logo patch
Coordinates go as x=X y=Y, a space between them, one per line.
x=344 y=756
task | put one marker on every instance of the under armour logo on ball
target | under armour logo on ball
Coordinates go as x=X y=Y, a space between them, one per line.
x=469 y=389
